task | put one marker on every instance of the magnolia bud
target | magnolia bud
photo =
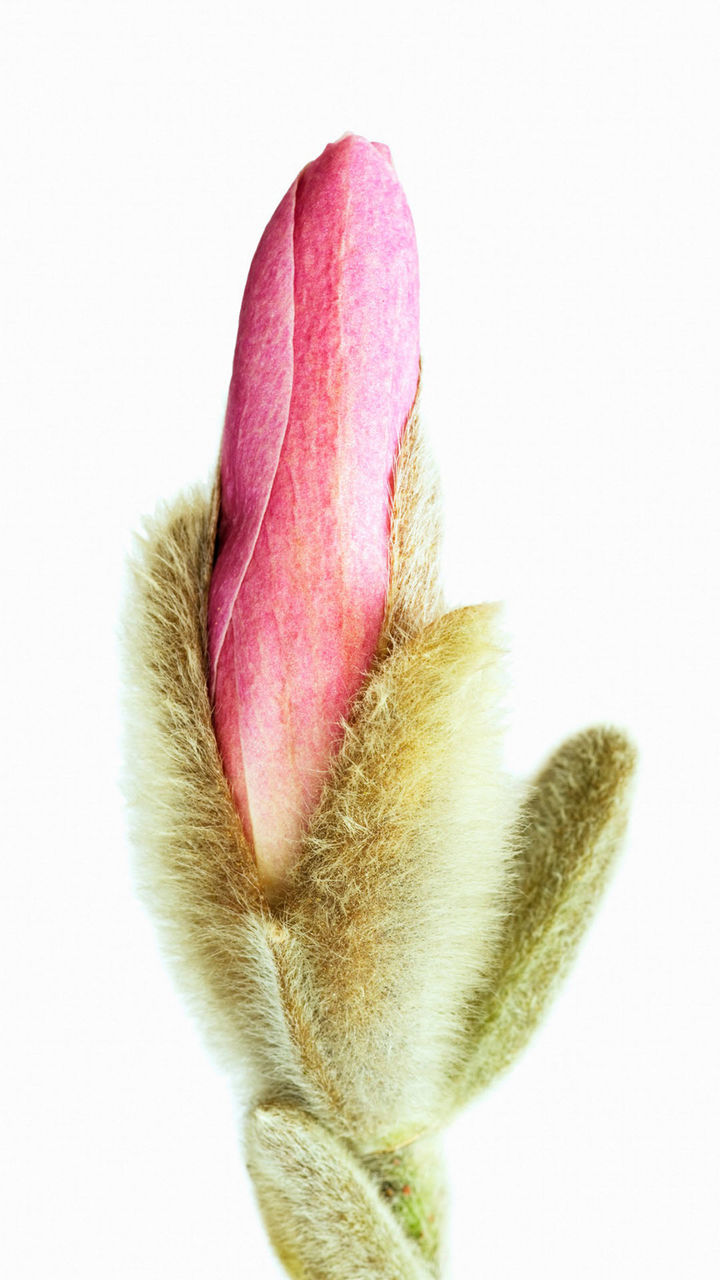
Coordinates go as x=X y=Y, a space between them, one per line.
x=428 y=910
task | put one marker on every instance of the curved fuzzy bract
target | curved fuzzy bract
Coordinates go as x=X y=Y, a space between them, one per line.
x=396 y=903
x=194 y=868
x=325 y=1215
x=570 y=829
x=194 y=865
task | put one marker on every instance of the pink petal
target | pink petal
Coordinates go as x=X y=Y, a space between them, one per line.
x=325 y=374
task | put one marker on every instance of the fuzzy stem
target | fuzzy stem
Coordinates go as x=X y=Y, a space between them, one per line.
x=412 y=1181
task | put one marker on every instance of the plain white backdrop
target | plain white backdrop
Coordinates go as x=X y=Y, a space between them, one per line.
x=561 y=163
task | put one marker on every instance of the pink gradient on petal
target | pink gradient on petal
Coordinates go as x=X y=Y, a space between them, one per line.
x=257 y=415
x=325 y=374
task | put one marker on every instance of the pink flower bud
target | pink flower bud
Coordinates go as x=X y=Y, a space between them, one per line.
x=325 y=374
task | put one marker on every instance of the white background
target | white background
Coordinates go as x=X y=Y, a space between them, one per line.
x=561 y=162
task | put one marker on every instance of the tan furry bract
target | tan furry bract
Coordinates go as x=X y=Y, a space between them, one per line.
x=394 y=909
x=570 y=829
x=426 y=921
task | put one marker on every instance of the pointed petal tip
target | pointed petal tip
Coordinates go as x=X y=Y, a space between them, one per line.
x=351 y=147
